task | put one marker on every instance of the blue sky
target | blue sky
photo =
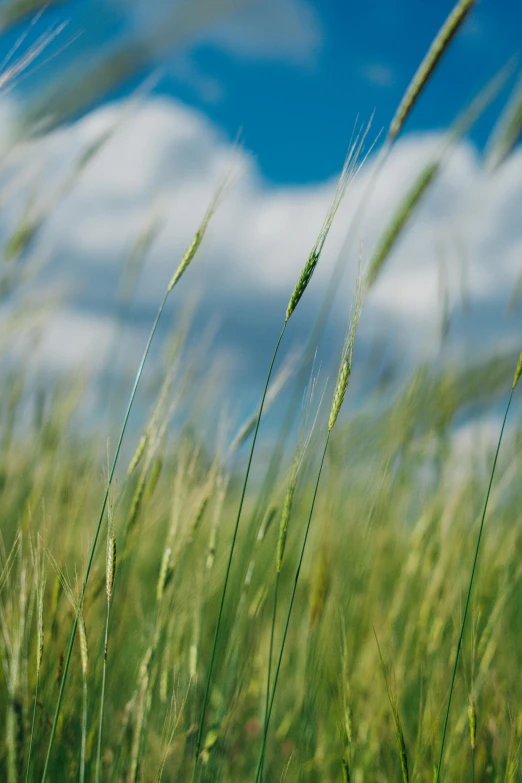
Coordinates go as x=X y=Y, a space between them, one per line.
x=294 y=75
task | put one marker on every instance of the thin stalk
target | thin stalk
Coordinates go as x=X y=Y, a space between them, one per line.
x=100 y=728
x=468 y=597
x=259 y=771
x=316 y=333
x=97 y=533
x=32 y=726
x=84 y=730
x=271 y=648
x=229 y=563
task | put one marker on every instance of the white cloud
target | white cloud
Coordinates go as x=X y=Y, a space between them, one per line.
x=251 y=29
x=379 y=74
x=168 y=159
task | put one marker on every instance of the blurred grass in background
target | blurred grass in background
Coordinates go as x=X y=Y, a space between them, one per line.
x=389 y=556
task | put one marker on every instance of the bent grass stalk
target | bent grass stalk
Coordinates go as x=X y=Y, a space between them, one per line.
x=349 y=171
x=184 y=263
x=412 y=94
x=288 y=615
x=302 y=445
x=516 y=378
x=343 y=378
x=39 y=658
x=392 y=698
x=110 y=574
x=428 y=65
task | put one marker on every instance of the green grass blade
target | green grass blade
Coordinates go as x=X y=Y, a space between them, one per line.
x=260 y=763
x=470 y=587
x=229 y=563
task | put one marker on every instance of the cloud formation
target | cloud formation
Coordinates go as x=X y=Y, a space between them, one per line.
x=165 y=161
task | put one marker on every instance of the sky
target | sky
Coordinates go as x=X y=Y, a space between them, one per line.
x=295 y=78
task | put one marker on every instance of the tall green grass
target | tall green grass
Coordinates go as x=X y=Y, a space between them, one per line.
x=332 y=646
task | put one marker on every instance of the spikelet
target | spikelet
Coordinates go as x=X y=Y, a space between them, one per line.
x=518 y=371
x=165 y=573
x=348 y=724
x=345 y=367
x=198 y=237
x=350 y=169
x=399 y=220
x=138 y=454
x=266 y=522
x=111 y=565
x=472 y=720
x=136 y=501
x=211 y=553
x=319 y=590
x=346 y=771
x=508 y=131
x=84 y=649
x=343 y=379
x=428 y=65
x=164 y=684
x=198 y=517
x=283 y=525
x=55 y=600
x=154 y=476
x=193 y=661
x=40 y=630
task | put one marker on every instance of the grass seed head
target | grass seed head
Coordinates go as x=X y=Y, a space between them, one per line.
x=472 y=720
x=138 y=454
x=345 y=367
x=40 y=630
x=518 y=371
x=267 y=521
x=84 y=649
x=165 y=573
x=283 y=526
x=428 y=65
x=508 y=131
x=351 y=166
x=111 y=565
x=198 y=236
x=399 y=221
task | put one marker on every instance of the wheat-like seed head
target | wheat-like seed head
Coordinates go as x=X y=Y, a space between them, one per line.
x=319 y=590
x=40 y=630
x=428 y=65
x=138 y=454
x=200 y=513
x=165 y=573
x=193 y=661
x=518 y=371
x=84 y=649
x=352 y=165
x=401 y=217
x=283 y=525
x=200 y=233
x=266 y=522
x=111 y=565
x=508 y=130
x=472 y=719
x=345 y=367
x=343 y=379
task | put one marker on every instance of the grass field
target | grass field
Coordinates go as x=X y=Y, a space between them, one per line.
x=340 y=605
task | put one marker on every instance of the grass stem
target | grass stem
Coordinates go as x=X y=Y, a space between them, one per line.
x=260 y=763
x=470 y=587
x=229 y=562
